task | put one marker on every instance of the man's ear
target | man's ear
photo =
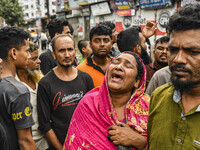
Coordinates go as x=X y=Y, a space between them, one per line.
x=53 y=54
x=13 y=53
x=137 y=50
x=56 y=34
x=83 y=49
x=75 y=50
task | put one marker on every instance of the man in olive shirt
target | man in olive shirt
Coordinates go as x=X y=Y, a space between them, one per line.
x=174 y=120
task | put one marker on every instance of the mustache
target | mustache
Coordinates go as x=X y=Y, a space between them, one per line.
x=163 y=55
x=67 y=59
x=182 y=67
x=102 y=47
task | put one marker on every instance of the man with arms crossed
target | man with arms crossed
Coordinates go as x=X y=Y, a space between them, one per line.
x=15 y=107
x=175 y=108
x=59 y=92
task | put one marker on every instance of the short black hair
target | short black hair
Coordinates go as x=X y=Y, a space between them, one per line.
x=108 y=23
x=100 y=30
x=128 y=39
x=59 y=36
x=185 y=18
x=137 y=27
x=163 y=39
x=71 y=29
x=11 y=37
x=82 y=44
x=56 y=26
x=33 y=47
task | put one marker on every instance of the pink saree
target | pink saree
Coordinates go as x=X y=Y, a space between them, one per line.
x=95 y=113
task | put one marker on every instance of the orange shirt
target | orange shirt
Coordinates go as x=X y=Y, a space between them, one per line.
x=93 y=70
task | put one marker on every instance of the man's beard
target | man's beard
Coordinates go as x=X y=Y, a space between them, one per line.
x=67 y=65
x=101 y=55
x=36 y=75
x=145 y=57
x=183 y=86
x=162 y=63
x=64 y=66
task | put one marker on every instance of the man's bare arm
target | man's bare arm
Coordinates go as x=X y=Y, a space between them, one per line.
x=25 y=139
x=52 y=138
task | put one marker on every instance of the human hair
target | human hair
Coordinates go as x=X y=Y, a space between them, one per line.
x=140 y=31
x=139 y=64
x=33 y=47
x=163 y=39
x=11 y=37
x=108 y=24
x=53 y=41
x=82 y=44
x=71 y=29
x=137 y=27
x=128 y=39
x=185 y=18
x=100 y=30
x=145 y=57
x=56 y=26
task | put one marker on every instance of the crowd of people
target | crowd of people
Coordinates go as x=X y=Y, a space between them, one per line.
x=117 y=97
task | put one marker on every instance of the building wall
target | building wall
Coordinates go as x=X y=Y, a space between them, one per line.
x=140 y=19
x=29 y=7
x=74 y=3
x=123 y=22
x=43 y=8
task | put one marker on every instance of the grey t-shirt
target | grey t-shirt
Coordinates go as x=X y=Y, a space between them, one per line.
x=160 y=77
x=15 y=109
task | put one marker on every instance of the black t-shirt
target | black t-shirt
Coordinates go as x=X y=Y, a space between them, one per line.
x=47 y=61
x=15 y=109
x=57 y=100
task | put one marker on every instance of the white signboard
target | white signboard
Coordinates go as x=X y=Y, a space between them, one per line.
x=100 y=9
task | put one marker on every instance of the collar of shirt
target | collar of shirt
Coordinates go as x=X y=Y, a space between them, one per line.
x=177 y=98
x=91 y=63
x=153 y=66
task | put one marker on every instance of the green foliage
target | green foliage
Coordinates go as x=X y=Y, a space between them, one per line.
x=12 y=12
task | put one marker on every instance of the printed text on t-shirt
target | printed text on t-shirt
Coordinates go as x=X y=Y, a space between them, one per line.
x=67 y=100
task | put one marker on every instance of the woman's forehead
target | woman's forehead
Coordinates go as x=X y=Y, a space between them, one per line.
x=128 y=57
